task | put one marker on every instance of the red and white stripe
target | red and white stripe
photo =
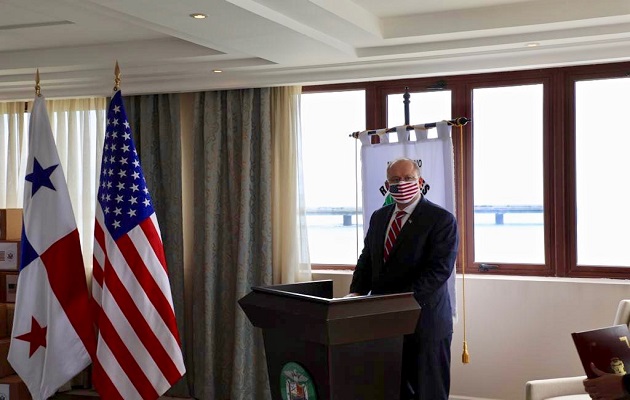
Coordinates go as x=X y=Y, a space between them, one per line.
x=405 y=191
x=392 y=234
x=138 y=353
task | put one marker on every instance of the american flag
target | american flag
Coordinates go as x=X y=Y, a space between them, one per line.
x=138 y=354
x=404 y=191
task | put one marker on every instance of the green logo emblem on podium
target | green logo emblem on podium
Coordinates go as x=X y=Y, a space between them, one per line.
x=296 y=383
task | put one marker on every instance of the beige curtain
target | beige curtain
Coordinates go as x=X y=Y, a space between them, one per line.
x=290 y=242
x=78 y=127
x=231 y=240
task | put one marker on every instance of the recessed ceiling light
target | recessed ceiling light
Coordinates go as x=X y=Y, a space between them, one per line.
x=532 y=44
x=198 y=16
x=217 y=71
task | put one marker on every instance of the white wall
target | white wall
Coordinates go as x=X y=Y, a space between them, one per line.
x=519 y=328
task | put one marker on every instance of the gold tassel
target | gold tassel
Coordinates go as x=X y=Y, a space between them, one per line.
x=465 y=355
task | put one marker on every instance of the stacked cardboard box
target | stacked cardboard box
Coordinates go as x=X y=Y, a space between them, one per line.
x=10 y=234
x=11 y=386
x=10 y=224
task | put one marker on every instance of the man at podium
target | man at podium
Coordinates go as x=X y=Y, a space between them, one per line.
x=411 y=246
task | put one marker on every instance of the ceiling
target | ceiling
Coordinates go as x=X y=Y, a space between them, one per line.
x=160 y=48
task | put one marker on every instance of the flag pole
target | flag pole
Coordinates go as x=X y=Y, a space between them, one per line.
x=38 y=91
x=116 y=77
x=456 y=122
x=462 y=214
x=116 y=259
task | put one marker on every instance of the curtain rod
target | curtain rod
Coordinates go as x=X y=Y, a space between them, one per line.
x=457 y=121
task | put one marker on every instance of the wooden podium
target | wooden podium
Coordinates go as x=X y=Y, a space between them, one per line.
x=323 y=348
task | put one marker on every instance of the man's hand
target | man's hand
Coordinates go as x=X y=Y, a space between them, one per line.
x=605 y=386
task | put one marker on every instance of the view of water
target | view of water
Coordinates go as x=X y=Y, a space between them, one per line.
x=519 y=240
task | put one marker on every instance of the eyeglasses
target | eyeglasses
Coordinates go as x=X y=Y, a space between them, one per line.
x=396 y=180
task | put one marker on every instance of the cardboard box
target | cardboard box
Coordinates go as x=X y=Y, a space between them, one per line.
x=10 y=287
x=5 y=367
x=4 y=285
x=11 y=224
x=9 y=255
x=13 y=388
x=10 y=314
x=3 y=321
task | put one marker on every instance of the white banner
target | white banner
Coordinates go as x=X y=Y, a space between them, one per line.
x=435 y=159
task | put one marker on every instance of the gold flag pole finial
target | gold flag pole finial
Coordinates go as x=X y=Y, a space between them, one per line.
x=38 y=91
x=116 y=77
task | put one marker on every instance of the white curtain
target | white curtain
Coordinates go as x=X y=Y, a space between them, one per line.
x=13 y=148
x=291 y=261
x=436 y=160
x=78 y=127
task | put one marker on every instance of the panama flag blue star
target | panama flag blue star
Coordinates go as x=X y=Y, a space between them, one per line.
x=40 y=177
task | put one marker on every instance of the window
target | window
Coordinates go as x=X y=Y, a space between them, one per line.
x=508 y=175
x=540 y=171
x=423 y=107
x=601 y=150
x=331 y=174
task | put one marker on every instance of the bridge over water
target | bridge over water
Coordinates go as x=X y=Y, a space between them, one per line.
x=498 y=210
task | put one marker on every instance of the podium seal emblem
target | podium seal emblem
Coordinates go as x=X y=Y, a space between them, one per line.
x=296 y=383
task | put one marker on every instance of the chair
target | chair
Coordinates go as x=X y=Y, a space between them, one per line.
x=570 y=388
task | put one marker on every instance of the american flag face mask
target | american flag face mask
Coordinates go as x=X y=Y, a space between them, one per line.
x=403 y=192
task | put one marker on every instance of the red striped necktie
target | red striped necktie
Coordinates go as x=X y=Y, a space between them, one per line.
x=394 y=230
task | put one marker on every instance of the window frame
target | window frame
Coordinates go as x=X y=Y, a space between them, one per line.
x=559 y=170
x=483 y=81
x=573 y=75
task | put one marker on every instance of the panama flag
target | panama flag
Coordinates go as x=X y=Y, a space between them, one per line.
x=52 y=336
